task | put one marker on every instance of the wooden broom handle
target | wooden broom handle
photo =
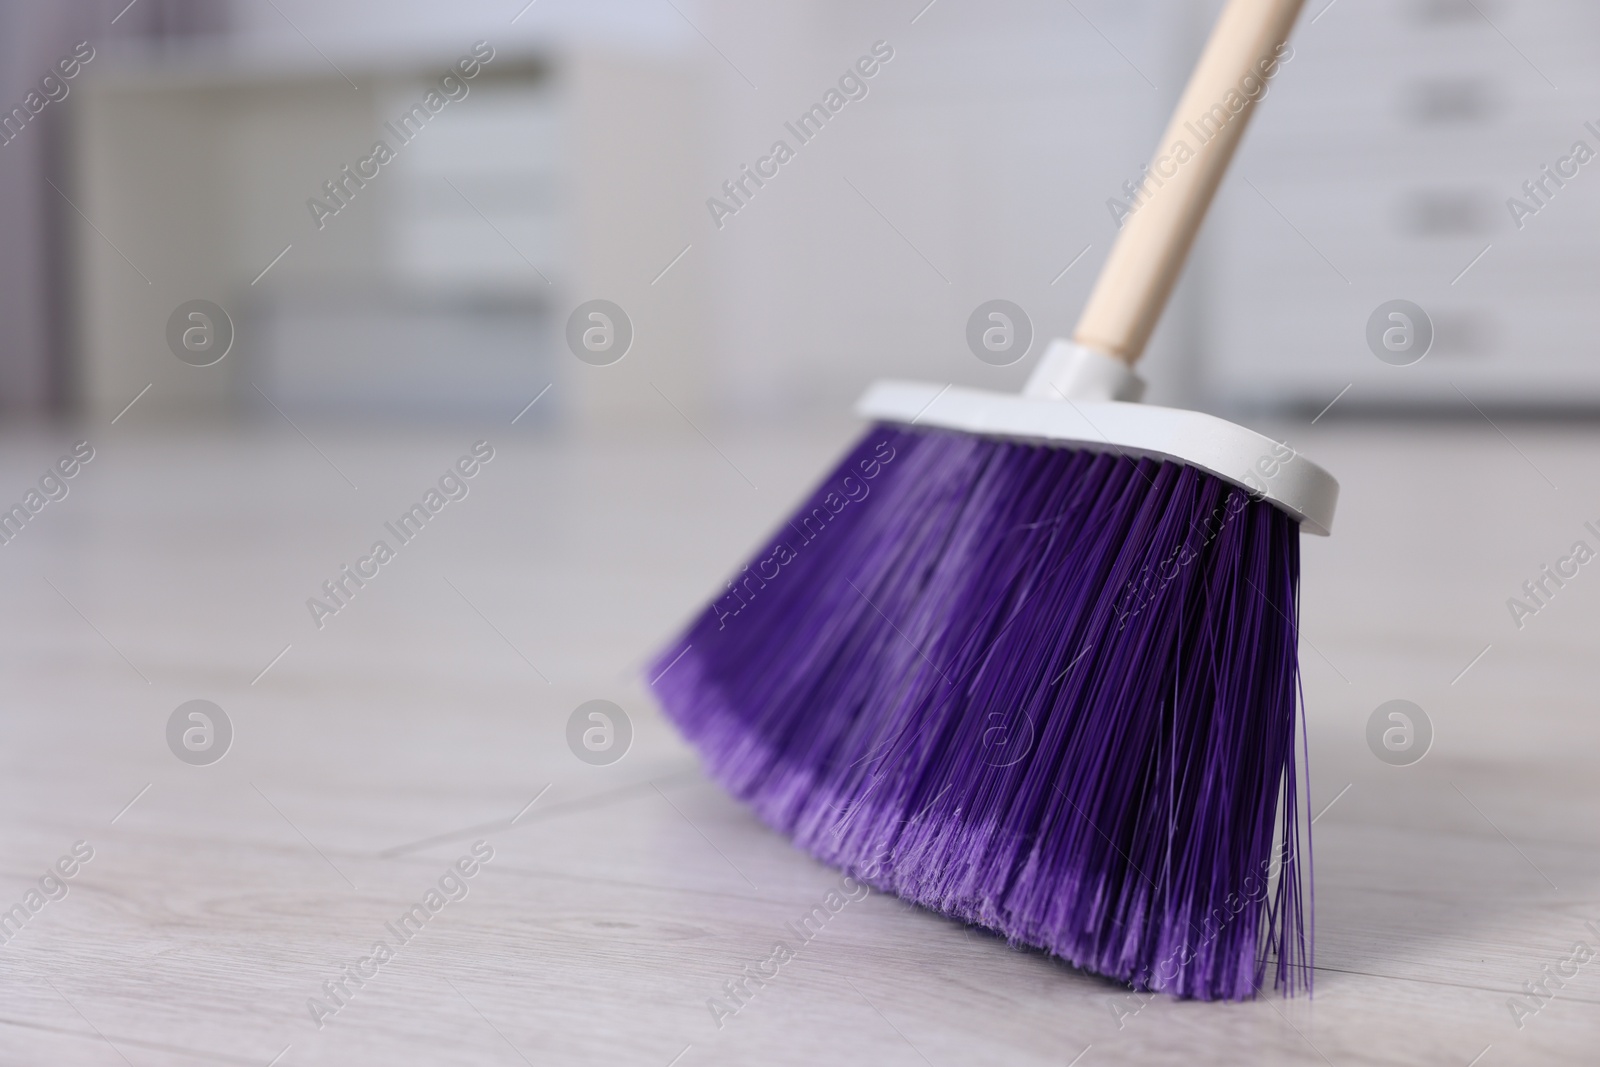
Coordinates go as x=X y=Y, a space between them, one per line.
x=1145 y=261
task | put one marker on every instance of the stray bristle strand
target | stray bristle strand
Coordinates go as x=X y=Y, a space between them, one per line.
x=1045 y=690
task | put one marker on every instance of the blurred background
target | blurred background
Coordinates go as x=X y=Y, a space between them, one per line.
x=978 y=166
x=367 y=318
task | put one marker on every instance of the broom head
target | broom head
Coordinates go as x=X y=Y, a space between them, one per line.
x=1040 y=684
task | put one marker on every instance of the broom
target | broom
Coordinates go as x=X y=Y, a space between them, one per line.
x=1030 y=661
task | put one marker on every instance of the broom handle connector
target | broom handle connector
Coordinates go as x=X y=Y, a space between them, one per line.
x=1239 y=61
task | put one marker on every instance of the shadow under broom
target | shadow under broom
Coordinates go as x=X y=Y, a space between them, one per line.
x=1030 y=661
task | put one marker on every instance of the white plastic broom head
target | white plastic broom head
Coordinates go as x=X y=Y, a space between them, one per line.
x=1081 y=398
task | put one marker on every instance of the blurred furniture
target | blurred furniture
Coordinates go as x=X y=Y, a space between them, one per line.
x=441 y=288
x=1381 y=169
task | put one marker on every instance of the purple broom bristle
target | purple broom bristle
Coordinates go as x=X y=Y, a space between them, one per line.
x=1047 y=691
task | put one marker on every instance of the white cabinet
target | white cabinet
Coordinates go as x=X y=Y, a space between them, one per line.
x=1380 y=168
x=441 y=283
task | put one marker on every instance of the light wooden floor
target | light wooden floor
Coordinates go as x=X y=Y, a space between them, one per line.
x=424 y=717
